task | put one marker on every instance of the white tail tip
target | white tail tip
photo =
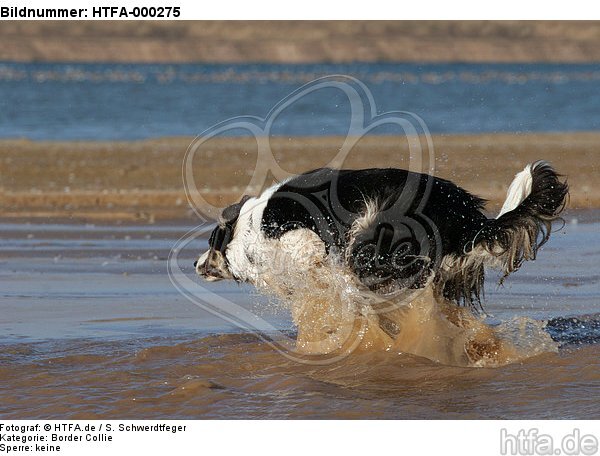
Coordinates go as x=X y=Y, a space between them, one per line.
x=520 y=188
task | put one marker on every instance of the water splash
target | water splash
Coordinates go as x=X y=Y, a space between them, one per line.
x=334 y=313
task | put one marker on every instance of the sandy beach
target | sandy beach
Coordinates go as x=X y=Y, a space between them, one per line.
x=300 y=41
x=142 y=180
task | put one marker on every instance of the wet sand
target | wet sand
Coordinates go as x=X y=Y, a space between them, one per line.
x=142 y=180
x=234 y=376
x=91 y=327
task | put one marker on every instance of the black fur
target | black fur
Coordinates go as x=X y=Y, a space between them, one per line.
x=517 y=235
x=223 y=233
x=419 y=221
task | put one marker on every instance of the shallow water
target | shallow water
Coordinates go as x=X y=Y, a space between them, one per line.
x=57 y=101
x=91 y=327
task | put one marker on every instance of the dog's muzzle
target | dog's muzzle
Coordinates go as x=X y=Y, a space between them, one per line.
x=212 y=266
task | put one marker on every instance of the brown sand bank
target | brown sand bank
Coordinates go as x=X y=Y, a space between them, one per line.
x=142 y=180
x=300 y=41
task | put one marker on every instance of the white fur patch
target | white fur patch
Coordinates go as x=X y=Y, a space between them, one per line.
x=452 y=264
x=520 y=188
x=201 y=261
x=363 y=222
x=245 y=253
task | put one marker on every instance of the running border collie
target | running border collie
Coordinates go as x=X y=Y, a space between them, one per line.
x=393 y=229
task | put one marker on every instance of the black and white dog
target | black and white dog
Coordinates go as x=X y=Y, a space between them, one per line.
x=390 y=228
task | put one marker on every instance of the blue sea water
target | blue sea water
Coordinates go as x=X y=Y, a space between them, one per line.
x=122 y=101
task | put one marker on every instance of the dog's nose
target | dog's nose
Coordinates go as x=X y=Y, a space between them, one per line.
x=195 y=263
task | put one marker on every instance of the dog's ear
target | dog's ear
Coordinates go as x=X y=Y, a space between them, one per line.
x=232 y=212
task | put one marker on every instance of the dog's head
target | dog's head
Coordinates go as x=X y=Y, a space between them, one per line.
x=212 y=264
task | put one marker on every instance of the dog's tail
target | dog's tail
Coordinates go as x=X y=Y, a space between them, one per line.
x=534 y=200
